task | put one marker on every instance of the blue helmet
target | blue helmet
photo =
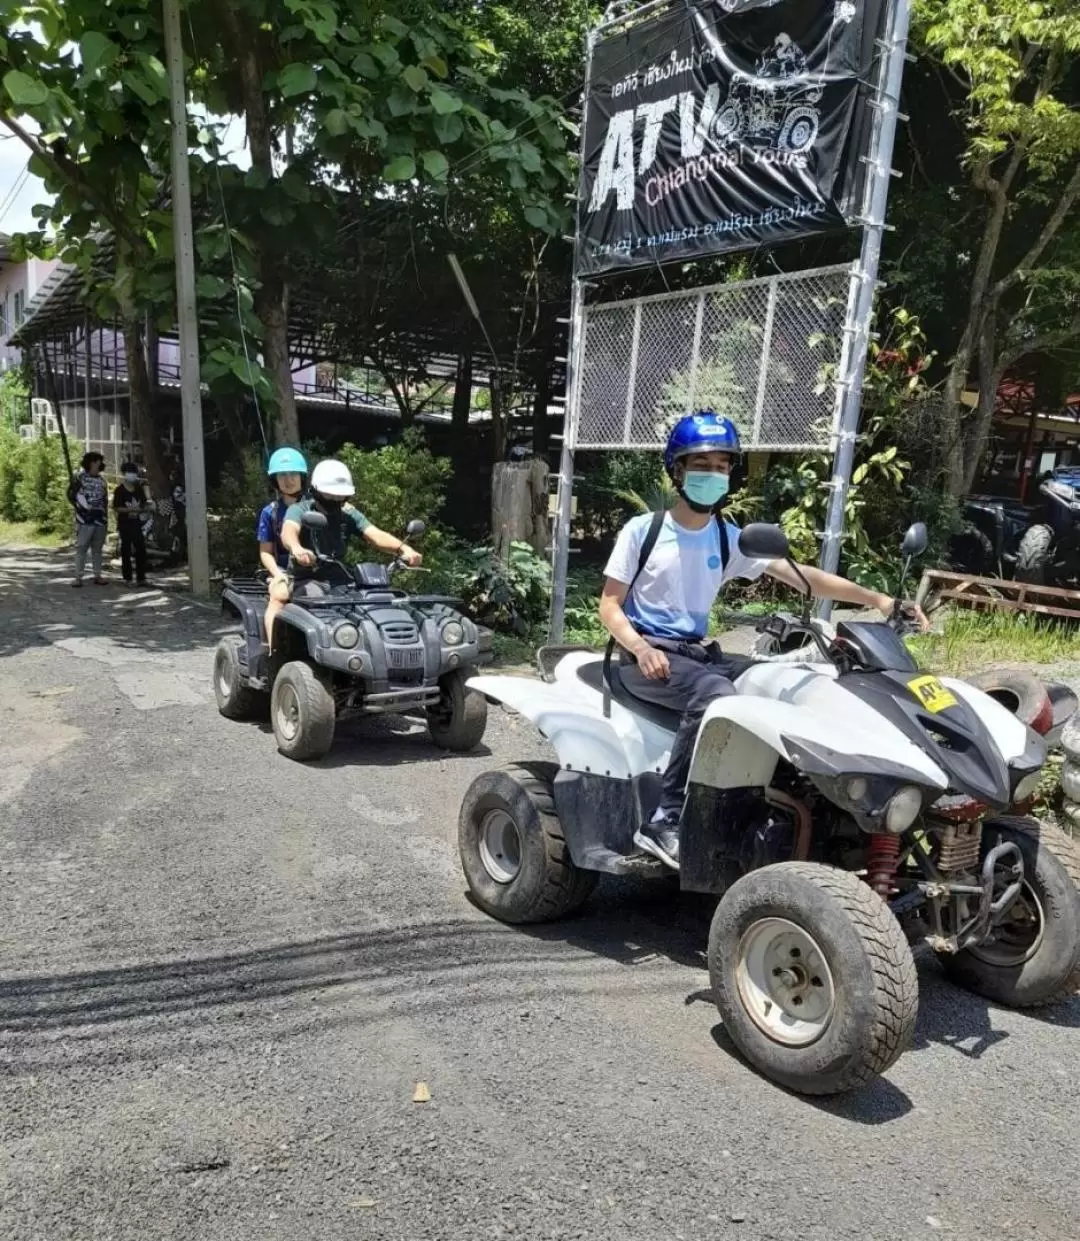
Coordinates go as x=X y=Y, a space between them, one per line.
x=286 y=461
x=702 y=431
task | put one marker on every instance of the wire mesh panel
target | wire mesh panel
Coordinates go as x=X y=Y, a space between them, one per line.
x=764 y=352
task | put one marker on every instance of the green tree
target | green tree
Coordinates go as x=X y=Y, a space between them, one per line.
x=1012 y=238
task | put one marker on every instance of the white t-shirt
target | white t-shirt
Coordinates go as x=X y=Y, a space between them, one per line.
x=676 y=591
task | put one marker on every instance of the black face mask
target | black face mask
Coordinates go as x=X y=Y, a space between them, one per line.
x=329 y=507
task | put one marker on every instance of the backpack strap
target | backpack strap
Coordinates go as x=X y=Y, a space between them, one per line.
x=651 y=537
x=725 y=546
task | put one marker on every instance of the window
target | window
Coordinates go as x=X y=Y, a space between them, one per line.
x=3 y=317
x=20 y=306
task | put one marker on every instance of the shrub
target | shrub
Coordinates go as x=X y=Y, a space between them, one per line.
x=401 y=482
x=512 y=597
x=35 y=487
x=11 y=453
x=235 y=505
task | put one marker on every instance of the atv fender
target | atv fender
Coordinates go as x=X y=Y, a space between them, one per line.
x=573 y=721
x=1010 y=734
x=742 y=737
x=301 y=620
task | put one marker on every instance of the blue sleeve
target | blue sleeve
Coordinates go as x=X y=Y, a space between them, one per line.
x=264 y=531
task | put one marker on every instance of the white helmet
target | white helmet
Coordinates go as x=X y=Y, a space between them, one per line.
x=332 y=478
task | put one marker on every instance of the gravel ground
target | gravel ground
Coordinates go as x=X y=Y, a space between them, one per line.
x=222 y=975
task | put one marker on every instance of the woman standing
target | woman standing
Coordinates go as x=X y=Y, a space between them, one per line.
x=129 y=502
x=88 y=494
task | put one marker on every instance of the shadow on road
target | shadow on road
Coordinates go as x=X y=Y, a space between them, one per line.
x=38 y=607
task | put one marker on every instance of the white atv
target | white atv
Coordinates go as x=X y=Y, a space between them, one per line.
x=842 y=803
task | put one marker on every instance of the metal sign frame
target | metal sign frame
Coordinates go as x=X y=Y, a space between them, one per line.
x=856 y=332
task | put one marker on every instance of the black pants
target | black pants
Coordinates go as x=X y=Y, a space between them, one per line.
x=132 y=542
x=700 y=673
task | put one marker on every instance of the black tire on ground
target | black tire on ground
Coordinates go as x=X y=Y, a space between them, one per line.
x=459 y=720
x=868 y=970
x=971 y=551
x=1019 y=692
x=302 y=711
x=1035 y=555
x=1029 y=965
x=235 y=700
x=512 y=847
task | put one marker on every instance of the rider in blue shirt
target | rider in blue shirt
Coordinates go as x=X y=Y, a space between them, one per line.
x=287 y=470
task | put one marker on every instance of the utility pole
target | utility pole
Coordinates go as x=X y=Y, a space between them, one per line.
x=183 y=234
x=860 y=311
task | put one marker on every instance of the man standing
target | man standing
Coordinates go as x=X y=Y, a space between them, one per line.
x=89 y=496
x=129 y=503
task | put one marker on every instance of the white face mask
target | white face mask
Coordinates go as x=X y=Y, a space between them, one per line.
x=131 y=478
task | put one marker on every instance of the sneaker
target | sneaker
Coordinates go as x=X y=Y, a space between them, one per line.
x=661 y=839
x=77 y=583
x=100 y=581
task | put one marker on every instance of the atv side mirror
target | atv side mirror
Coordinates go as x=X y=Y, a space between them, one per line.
x=915 y=540
x=760 y=541
x=313 y=521
x=415 y=528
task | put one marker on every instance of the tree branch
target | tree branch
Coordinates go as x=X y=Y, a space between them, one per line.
x=68 y=170
x=1064 y=205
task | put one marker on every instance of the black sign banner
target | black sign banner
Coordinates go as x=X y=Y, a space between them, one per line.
x=723 y=125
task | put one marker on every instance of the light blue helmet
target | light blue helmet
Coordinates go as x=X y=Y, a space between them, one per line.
x=286 y=461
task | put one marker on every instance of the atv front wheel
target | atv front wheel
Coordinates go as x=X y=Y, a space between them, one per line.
x=457 y=722
x=302 y=711
x=512 y=847
x=813 y=977
x=235 y=700
x=1034 y=957
x=1035 y=555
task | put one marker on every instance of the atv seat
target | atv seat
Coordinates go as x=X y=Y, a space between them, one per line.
x=592 y=674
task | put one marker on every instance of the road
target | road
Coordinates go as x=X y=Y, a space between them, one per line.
x=223 y=974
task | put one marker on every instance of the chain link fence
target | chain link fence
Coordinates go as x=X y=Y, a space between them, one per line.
x=765 y=352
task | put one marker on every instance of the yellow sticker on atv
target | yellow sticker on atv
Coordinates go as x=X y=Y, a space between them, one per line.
x=932 y=694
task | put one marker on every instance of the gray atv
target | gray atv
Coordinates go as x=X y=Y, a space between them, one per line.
x=357 y=646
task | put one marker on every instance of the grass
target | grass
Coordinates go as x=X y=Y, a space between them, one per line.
x=26 y=534
x=972 y=640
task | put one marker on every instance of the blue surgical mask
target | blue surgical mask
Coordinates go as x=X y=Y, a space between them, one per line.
x=705 y=488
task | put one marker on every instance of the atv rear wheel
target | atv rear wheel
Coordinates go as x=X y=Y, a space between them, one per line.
x=512 y=847
x=459 y=719
x=813 y=977
x=302 y=711
x=1034 y=958
x=235 y=700
x=1035 y=555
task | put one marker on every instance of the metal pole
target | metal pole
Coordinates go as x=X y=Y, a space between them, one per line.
x=572 y=408
x=864 y=276
x=190 y=393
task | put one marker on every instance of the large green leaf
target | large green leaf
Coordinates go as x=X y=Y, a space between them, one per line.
x=296 y=79
x=435 y=164
x=365 y=66
x=401 y=169
x=97 y=50
x=25 y=91
x=444 y=102
x=336 y=122
x=415 y=77
x=448 y=128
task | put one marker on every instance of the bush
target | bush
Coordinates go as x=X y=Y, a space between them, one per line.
x=34 y=482
x=235 y=505
x=401 y=482
x=512 y=597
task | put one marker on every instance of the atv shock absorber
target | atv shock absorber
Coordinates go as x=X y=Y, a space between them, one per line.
x=881 y=861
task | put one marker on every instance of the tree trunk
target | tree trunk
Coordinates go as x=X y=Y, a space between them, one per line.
x=270 y=307
x=141 y=406
x=498 y=420
x=980 y=422
x=269 y=300
x=519 y=505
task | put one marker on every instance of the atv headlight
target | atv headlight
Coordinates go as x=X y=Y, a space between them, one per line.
x=1027 y=787
x=903 y=808
x=347 y=635
x=453 y=634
